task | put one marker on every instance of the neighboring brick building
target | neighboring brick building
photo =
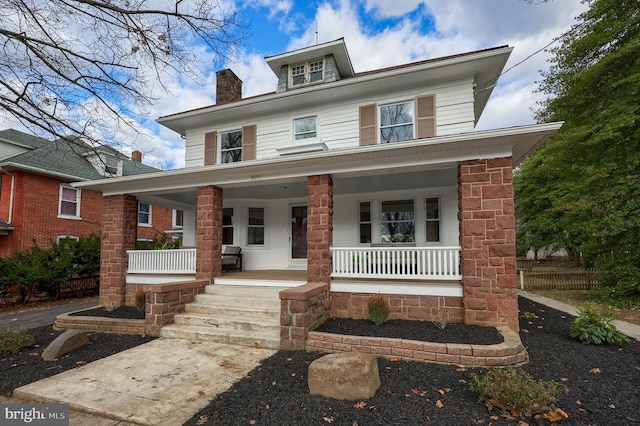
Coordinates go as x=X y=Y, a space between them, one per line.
x=38 y=203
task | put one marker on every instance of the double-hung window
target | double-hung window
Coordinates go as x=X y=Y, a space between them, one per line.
x=396 y=122
x=308 y=72
x=227 y=225
x=304 y=128
x=433 y=219
x=144 y=214
x=230 y=146
x=255 y=231
x=365 y=222
x=69 y=205
x=397 y=222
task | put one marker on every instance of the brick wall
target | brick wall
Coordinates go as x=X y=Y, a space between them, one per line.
x=120 y=218
x=209 y=233
x=35 y=213
x=409 y=307
x=319 y=228
x=487 y=237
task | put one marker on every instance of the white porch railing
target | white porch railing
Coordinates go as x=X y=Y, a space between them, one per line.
x=181 y=261
x=410 y=263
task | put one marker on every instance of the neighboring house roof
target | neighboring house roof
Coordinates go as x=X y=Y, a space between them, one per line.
x=67 y=158
x=23 y=139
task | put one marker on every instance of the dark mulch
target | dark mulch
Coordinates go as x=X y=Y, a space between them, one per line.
x=28 y=366
x=121 y=312
x=276 y=392
x=602 y=383
x=414 y=330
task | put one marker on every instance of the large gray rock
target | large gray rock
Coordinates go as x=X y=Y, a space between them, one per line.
x=68 y=341
x=350 y=376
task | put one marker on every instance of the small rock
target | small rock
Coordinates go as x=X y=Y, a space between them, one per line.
x=349 y=376
x=68 y=341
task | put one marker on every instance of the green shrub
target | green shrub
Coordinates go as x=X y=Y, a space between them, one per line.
x=11 y=341
x=378 y=309
x=515 y=391
x=594 y=326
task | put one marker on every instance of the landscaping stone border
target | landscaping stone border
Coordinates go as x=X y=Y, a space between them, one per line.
x=511 y=352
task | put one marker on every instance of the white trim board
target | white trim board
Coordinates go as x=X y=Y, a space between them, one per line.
x=451 y=290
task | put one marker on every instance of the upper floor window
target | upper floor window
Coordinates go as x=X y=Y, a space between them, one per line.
x=396 y=122
x=308 y=72
x=112 y=166
x=144 y=214
x=304 y=128
x=230 y=146
x=69 y=204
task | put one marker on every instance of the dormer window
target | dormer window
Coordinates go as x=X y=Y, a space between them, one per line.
x=307 y=72
x=111 y=165
x=107 y=165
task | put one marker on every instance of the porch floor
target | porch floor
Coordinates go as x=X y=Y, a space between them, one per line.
x=267 y=274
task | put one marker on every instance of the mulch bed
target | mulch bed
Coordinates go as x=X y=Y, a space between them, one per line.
x=601 y=381
x=121 y=312
x=424 y=331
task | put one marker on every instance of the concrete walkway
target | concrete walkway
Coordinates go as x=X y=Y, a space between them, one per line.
x=163 y=382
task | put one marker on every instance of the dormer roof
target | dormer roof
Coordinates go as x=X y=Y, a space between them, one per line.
x=337 y=48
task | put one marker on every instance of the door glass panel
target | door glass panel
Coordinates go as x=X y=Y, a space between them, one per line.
x=299 y=232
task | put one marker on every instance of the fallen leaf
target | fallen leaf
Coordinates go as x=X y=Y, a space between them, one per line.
x=439 y=404
x=462 y=381
x=441 y=391
x=202 y=420
x=257 y=345
x=564 y=379
x=360 y=404
x=523 y=423
x=494 y=417
x=328 y=419
x=612 y=406
x=252 y=422
x=288 y=359
x=461 y=368
x=555 y=416
x=355 y=423
x=595 y=371
x=395 y=359
x=201 y=393
x=524 y=330
x=273 y=383
x=415 y=391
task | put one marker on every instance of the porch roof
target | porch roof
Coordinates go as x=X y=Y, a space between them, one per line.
x=175 y=188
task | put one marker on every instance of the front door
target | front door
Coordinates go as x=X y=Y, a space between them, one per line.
x=298 y=232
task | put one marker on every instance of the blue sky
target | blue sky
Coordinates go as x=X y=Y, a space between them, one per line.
x=378 y=33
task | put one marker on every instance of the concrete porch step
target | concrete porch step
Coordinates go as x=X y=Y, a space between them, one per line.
x=239 y=315
x=252 y=338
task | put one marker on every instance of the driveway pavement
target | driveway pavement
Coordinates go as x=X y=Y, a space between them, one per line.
x=38 y=317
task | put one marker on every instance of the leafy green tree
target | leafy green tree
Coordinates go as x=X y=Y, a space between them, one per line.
x=582 y=189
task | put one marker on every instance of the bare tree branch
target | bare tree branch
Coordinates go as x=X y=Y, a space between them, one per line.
x=61 y=61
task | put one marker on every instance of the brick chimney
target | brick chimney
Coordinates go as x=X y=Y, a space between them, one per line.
x=228 y=87
x=136 y=156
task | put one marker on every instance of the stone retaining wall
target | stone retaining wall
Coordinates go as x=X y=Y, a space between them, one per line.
x=508 y=353
x=302 y=309
x=99 y=324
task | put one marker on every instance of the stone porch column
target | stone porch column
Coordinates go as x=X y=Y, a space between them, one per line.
x=319 y=228
x=487 y=236
x=119 y=234
x=209 y=233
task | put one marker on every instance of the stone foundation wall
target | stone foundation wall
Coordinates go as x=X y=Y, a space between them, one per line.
x=302 y=309
x=409 y=307
x=509 y=353
x=164 y=301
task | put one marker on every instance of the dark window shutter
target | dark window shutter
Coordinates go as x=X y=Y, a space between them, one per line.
x=210 y=148
x=248 y=143
x=426 y=116
x=368 y=125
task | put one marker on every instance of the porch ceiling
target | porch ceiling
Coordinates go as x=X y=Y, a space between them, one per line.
x=352 y=167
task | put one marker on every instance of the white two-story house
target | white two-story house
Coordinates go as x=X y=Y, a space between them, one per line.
x=360 y=183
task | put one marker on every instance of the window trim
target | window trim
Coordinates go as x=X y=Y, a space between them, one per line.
x=149 y=223
x=413 y=120
x=77 y=201
x=220 y=151
x=174 y=218
x=307 y=72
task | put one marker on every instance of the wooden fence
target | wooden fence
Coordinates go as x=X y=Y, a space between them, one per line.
x=79 y=287
x=561 y=279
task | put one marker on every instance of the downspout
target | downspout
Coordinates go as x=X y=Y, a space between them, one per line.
x=13 y=188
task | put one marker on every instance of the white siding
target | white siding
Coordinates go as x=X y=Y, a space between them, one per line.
x=9 y=150
x=338 y=125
